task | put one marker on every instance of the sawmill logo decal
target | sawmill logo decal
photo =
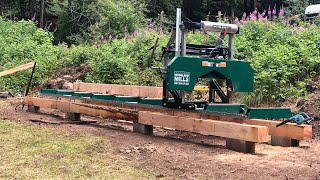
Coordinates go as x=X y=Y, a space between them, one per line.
x=181 y=78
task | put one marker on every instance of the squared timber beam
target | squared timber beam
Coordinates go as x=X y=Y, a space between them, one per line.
x=47 y=103
x=126 y=90
x=288 y=131
x=245 y=132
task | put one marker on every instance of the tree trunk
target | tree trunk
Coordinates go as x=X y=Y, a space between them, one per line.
x=255 y=4
x=32 y=9
x=232 y=15
x=1 y=7
x=278 y=6
x=22 y=4
x=245 y=5
x=41 y=25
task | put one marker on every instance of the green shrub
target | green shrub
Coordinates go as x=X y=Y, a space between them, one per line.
x=284 y=59
x=22 y=42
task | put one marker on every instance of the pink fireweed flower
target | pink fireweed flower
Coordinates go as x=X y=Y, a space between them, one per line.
x=281 y=12
x=265 y=19
x=237 y=22
x=255 y=11
x=244 y=16
x=269 y=11
x=300 y=29
x=260 y=16
x=244 y=22
x=253 y=16
x=295 y=16
x=33 y=18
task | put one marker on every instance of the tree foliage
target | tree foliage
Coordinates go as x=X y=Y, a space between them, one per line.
x=284 y=59
x=91 y=21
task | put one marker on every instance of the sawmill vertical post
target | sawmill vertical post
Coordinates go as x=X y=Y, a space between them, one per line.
x=230 y=57
x=231 y=44
x=178 y=32
x=180 y=42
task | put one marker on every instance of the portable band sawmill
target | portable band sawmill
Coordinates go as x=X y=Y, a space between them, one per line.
x=184 y=66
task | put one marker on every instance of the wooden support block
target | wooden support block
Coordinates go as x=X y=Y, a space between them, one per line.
x=142 y=128
x=33 y=109
x=289 y=130
x=284 y=142
x=240 y=146
x=73 y=116
x=252 y=133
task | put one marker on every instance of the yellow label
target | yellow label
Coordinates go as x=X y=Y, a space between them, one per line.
x=205 y=63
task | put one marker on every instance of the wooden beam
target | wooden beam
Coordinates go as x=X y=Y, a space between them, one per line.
x=86 y=109
x=125 y=90
x=170 y=111
x=251 y=133
x=150 y=92
x=289 y=130
x=47 y=103
x=17 y=69
x=104 y=112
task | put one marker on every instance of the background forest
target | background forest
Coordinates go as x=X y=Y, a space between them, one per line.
x=113 y=40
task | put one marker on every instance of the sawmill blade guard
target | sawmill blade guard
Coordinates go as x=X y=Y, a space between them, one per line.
x=184 y=72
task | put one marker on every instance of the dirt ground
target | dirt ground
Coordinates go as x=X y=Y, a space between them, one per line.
x=173 y=154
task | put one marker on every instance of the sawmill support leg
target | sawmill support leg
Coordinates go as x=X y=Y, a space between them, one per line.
x=240 y=146
x=73 y=116
x=284 y=142
x=142 y=128
x=33 y=109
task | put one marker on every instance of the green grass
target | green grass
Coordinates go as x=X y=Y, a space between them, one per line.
x=32 y=152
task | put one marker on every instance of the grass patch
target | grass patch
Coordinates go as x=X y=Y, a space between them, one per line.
x=28 y=151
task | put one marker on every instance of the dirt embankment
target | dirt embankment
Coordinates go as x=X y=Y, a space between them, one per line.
x=64 y=77
x=310 y=104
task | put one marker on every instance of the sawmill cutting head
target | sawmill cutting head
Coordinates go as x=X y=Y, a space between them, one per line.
x=185 y=64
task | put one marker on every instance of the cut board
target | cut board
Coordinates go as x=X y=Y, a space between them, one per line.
x=17 y=69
